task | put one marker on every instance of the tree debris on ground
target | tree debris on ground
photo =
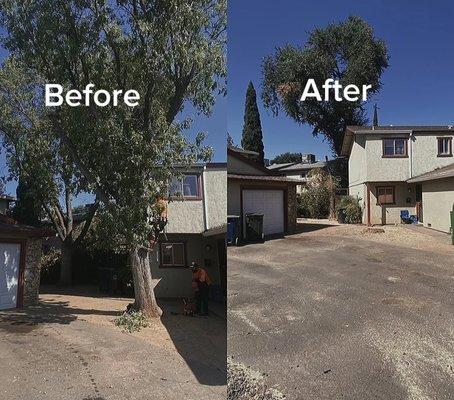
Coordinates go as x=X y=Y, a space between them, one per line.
x=243 y=383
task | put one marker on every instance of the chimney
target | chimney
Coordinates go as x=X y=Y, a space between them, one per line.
x=308 y=158
x=326 y=158
x=375 y=121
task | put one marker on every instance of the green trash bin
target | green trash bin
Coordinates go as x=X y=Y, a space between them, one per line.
x=254 y=227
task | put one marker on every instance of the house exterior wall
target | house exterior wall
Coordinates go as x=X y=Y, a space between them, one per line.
x=216 y=197
x=234 y=198
x=188 y=215
x=390 y=213
x=437 y=200
x=240 y=167
x=367 y=164
x=176 y=281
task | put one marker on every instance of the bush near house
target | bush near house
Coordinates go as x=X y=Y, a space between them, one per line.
x=352 y=209
x=317 y=199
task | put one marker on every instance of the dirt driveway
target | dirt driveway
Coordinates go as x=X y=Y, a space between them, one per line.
x=337 y=312
x=68 y=348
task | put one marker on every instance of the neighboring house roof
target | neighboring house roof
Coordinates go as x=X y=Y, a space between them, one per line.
x=7 y=198
x=438 y=173
x=9 y=226
x=351 y=131
x=239 y=154
x=242 y=151
x=304 y=166
x=279 y=166
x=265 y=178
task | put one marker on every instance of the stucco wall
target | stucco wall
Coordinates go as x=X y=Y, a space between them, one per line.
x=438 y=199
x=216 y=196
x=367 y=164
x=233 y=198
x=33 y=251
x=176 y=282
x=425 y=153
x=357 y=162
x=236 y=166
x=390 y=213
x=185 y=216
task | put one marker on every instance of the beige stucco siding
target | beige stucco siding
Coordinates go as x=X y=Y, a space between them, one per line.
x=425 y=153
x=390 y=213
x=185 y=216
x=357 y=172
x=234 y=198
x=216 y=197
x=176 y=282
x=236 y=166
x=379 y=168
x=438 y=199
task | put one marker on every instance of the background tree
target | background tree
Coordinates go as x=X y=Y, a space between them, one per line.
x=287 y=158
x=252 y=138
x=173 y=54
x=27 y=210
x=37 y=158
x=347 y=52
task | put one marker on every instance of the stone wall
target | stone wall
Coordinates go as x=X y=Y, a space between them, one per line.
x=33 y=253
x=292 y=209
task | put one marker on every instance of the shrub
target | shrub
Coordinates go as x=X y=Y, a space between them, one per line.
x=314 y=203
x=352 y=209
x=132 y=321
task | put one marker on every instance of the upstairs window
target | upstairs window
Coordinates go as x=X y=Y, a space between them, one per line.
x=396 y=147
x=444 y=146
x=186 y=187
x=385 y=195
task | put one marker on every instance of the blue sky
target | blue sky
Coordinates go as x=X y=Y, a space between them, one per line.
x=418 y=86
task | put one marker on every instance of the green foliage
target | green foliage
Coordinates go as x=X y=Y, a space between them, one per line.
x=27 y=210
x=171 y=52
x=352 y=209
x=287 y=158
x=252 y=138
x=347 y=52
x=316 y=199
x=132 y=321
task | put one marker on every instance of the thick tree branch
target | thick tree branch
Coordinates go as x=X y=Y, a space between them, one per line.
x=91 y=214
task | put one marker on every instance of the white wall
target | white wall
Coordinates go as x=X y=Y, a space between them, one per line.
x=216 y=197
x=437 y=200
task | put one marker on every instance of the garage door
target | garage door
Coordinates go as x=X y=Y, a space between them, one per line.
x=270 y=203
x=9 y=274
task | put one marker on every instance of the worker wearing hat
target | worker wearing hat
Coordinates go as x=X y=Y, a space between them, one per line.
x=200 y=283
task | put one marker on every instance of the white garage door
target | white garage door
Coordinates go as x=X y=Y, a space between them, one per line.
x=9 y=274
x=270 y=203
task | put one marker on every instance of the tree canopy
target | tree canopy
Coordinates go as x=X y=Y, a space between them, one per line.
x=252 y=138
x=172 y=53
x=287 y=158
x=348 y=52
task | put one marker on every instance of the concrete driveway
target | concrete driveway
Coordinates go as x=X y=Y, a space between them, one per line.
x=68 y=348
x=325 y=315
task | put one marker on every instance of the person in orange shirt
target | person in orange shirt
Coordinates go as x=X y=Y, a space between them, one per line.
x=200 y=283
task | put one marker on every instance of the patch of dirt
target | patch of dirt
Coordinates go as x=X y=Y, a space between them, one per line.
x=243 y=383
x=414 y=237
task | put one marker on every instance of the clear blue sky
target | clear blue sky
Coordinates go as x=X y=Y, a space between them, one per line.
x=418 y=86
x=215 y=126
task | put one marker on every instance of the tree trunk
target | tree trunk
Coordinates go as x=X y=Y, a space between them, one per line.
x=66 y=265
x=145 y=300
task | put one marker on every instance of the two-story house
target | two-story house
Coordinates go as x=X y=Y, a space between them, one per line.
x=396 y=168
x=195 y=231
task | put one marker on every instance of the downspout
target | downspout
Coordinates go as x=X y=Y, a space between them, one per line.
x=205 y=205
x=411 y=154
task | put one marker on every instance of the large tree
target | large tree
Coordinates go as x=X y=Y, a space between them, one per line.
x=37 y=158
x=252 y=138
x=348 y=52
x=172 y=53
x=287 y=158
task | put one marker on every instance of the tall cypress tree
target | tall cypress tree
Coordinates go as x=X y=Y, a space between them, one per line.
x=26 y=210
x=252 y=129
